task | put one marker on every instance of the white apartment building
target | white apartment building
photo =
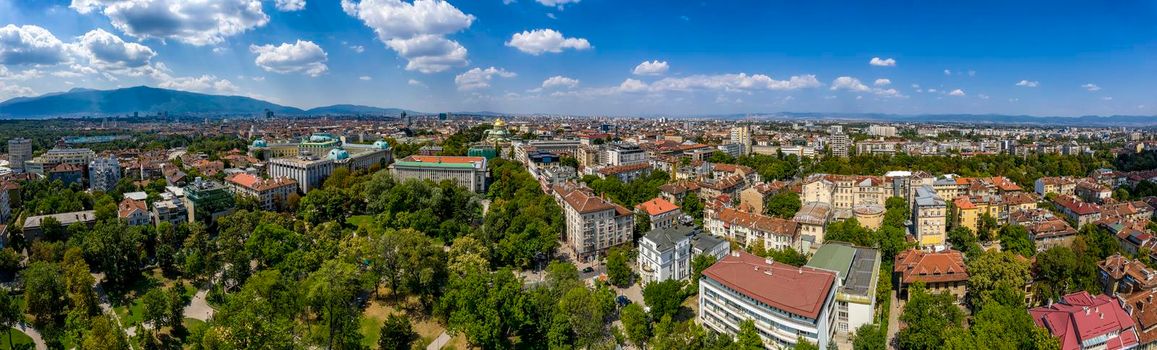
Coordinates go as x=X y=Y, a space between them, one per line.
x=882 y=131
x=785 y=302
x=624 y=154
x=104 y=173
x=741 y=135
x=468 y=172
x=667 y=253
x=171 y=209
x=309 y=172
x=930 y=212
x=59 y=155
x=839 y=144
x=593 y=224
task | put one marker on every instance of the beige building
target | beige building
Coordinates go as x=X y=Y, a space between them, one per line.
x=593 y=224
x=930 y=213
x=468 y=172
x=747 y=228
x=813 y=219
x=271 y=194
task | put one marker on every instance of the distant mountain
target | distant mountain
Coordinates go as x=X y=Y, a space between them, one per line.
x=346 y=109
x=141 y=99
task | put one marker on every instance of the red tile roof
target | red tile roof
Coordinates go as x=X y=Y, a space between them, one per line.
x=614 y=170
x=1080 y=316
x=1076 y=206
x=799 y=290
x=128 y=206
x=929 y=267
x=259 y=184
x=657 y=206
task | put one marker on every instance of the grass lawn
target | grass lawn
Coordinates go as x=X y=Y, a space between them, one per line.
x=427 y=329
x=360 y=220
x=192 y=324
x=18 y=338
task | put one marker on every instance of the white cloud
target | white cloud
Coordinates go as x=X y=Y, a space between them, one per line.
x=982 y=96
x=556 y=3
x=655 y=67
x=1091 y=87
x=886 y=62
x=947 y=72
x=882 y=82
x=1107 y=98
x=971 y=73
x=204 y=83
x=30 y=45
x=559 y=81
x=539 y=41
x=415 y=82
x=107 y=49
x=429 y=53
x=365 y=78
x=734 y=82
x=849 y=83
x=1027 y=83
x=289 y=5
x=633 y=85
x=957 y=92
x=358 y=48
x=551 y=15
x=9 y=90
x=300 y=57
x=193 y=22
x=479 y=78
x=416 y=30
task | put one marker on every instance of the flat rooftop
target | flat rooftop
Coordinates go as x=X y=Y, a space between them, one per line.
x=857 y=267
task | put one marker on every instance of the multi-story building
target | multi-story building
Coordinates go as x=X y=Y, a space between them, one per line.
x=19 y=151
x=5 y=203
x=468 y=172
x=593 y=224
x=66 y=173
x=207 y=200
x=929 y=212
x=32 y=225
x=666 y=253
x=857 y=273
x=942 y=271
x=624 y=154
x=748 y=228
x=1080 y=212
x=171 y=209
x=813 y=218
x=309 y=172
x=134 y=212
x=845 y=192
x=882 y=130
x=271 y=194
x=104 y=173
x=785 y=302
x=839 y=143
x=59 y=155
x=1045 y=229
x=1081 y=321
x=662 y=213
x=1120 y=275
x=1060 y=185
x=741 y=135
x=877 y=147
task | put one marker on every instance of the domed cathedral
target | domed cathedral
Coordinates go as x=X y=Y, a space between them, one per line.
x=498 y=133
x=497 y=141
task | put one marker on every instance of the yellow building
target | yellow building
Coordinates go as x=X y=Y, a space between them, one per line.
x=967 y=214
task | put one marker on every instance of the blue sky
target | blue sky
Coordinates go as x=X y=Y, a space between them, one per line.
x=601 y=57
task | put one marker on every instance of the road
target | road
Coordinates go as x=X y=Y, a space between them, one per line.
x=37 y=339
x=894 y=320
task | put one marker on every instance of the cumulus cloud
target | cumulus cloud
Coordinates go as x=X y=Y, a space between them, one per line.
x=479 y=78
x=1091 y=87
x=1027 y=83
x=559 y=81
x=882 y=62
x=556 y=3
x=8 y=90
x=415 y=82
x=655 y=67
x=850 y=84
x=358 y=48
x=957 y=92
x=882 y=82
x=107 y=49
x=734 y=82
x=300 y=57
x=30 y=45
x=289 y=5
x=365 y=78
x=539 y=41
x=947 y=72
x=192 y=22
x=204 y=83
x=632 y=85
x=416 y=31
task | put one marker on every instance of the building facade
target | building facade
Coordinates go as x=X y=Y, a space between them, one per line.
x=929 y=212
x=19 y=151
x=593 y=224
x=104 y=173
x=308 y=172
x=271 y=194
x=468 y=172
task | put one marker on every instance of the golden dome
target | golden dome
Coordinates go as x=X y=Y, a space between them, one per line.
x=498 y=123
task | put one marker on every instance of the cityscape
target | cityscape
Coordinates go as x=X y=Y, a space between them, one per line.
x=432 y=174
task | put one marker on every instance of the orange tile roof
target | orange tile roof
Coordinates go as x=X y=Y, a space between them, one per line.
x=657 y=206
x=918 y=265
x=778 y=226
x=962 y=202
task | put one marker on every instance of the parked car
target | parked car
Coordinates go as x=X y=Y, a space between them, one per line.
x=623 y=301
x=588 y=269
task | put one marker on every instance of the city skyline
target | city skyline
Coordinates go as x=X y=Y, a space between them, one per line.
x=598 y=57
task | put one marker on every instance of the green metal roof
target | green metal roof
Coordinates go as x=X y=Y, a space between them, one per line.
x=834 y=257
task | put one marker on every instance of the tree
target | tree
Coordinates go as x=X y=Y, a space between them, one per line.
x=618 y=271
x=10 y=314
x=870 y=337
x=396 y=333
x=156 y=308
x=1061 y=271
x=693 y=207
x=330 y=294
x=896 y=212
x=787 y=255
x=804 y=344
x=997 y=277
x=117 y=249
x=104 y=334
x=999 y=326
x=1014 y=238
x=783 y=204
x=698 y=264
x=987 y=225
x=635 y=323
x=412 y=262
x=586 y=311
x=964 y=240
x=929 y=317
x=44 y=294
x=748 y=337
x=664 y=297
x=487 y=307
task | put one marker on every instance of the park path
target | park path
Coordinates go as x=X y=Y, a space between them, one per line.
x=439 y=342
x=106 y=308
x=37 y=339
x=894 y=320
x=199 y=308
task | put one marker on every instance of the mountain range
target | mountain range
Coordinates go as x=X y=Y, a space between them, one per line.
x=149 y=100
